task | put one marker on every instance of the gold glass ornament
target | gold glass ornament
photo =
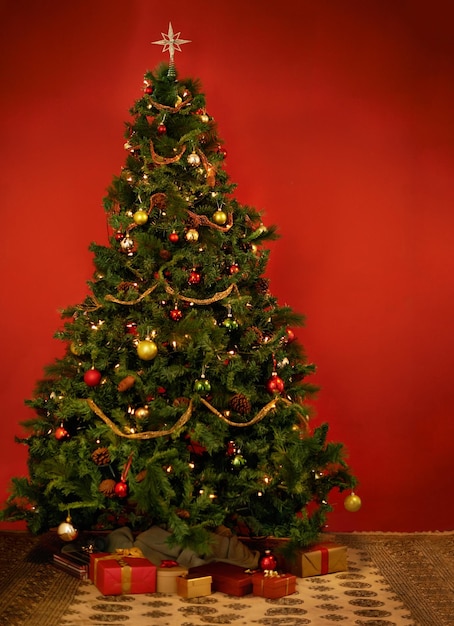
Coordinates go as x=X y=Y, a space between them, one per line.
x=66 y=530
x=147 y=349
x=219 y=217
x=140 y=217
x=352 y=503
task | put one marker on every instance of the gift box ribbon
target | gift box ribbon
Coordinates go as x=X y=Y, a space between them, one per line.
x=324 y=557
x=126 y=569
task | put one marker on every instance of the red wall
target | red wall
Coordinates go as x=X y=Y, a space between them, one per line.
x=338 y=121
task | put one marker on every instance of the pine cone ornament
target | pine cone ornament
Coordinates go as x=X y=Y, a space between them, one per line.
x=262 y=285
x=141 y=476
x=101 y=456
x=159 y=201
x=107 y=487
x=240 y=404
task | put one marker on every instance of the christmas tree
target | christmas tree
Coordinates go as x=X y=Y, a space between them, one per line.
x=182 y=398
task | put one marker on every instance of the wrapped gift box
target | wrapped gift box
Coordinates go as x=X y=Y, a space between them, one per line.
x=273 y=585
x=193 y=586
x=227 y=578
x=116 y=575
x=166 y=581
x=322 y=558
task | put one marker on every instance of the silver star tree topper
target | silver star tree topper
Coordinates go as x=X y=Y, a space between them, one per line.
x=171 y=42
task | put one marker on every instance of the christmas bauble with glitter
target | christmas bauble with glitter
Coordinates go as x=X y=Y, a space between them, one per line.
x=202 y=385
x=147 y=349
x=61 y=433
x=140 y=217
x=230 y=323
x=352 y=503
x=127 y=245
x=192 y=235
x=66 y=531
x=275 y=384
x=194 y=277
x=175 y=314
x=92 y=377
x=194 y=159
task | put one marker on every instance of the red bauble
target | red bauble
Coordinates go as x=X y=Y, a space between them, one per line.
x=275 y=384
x=176 y=314
x=119 y=235
x=92 y=377
x=194 y=278
x=149 y=90
x=131 y=328
x=234 y=269
x=222 y=151
x=290 y=335
x=162 y=129
x=61 y=433
x=121 y=489
x=174 y=237
x=268 y=561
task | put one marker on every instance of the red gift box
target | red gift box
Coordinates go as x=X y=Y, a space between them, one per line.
x=273 y=585
x=226 y=578
x=115 y=574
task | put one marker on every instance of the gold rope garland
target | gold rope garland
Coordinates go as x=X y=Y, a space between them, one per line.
x=154 y=434
x=203 y=220
x=257 y=418
x=160 y=160
x=150 y=434
x=220 y=295
x=175 y=109
x=132 y=302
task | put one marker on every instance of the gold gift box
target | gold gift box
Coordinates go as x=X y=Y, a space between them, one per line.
x=322 y=558
x=194 y=586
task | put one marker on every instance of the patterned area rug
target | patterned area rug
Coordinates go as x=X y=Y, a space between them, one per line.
x=392 y=580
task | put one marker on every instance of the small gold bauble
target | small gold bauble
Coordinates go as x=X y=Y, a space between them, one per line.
x=66 y=531
x=352 y=503
x=142 y=413
x=140 y=217
x=192 y=235
x=204 y=118
x=147 y=349
x=219 y=217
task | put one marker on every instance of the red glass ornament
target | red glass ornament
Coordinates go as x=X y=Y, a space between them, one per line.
x=275 y=384
x=131 y=328
x=119 y=235
x=174 y=237
x=162 y=129
x=121 y=489
x=268 y=561
x=149 y=90
x=175 y=314
x=61 y=433
x=234 y=269
x=290 y=335
x=92 y=377
x=194 y=278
